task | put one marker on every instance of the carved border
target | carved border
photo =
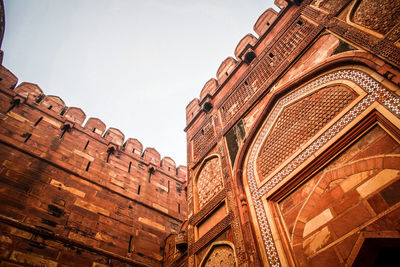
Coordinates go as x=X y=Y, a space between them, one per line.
x=211 y=234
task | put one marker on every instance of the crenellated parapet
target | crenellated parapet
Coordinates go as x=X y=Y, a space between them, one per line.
x=55 y=107
x=245 y=52
x=111 y=196
x=265 y=21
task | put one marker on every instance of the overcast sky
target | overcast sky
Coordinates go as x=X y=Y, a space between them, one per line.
x=133 y=64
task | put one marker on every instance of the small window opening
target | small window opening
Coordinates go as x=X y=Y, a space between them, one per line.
x=207 y=107
x=268 y=24
x=179 y=208
x=246 y=83
x=130 y=165
x=168 y=187
x=169 y=168
x=87 y=143
x=27 y=136
x=138 y=190
x=110 y=151
x=133 y=150
x=249 y=57
x=202 y=131
x=226 y=73
x=299 y=22
x=271 y=55
x=14 y=103
x=151 y=171
x=94 y=130
x=87 y=166
x=50 y=107
x=38 y=121
x=65 y=128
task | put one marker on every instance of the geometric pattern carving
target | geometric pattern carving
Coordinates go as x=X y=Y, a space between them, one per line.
x=221 y=255
x=298 y=123
x=284 y=47
x=375 y=92
x=202 y=140
x=378 y=15
x=332 y=6
x=209 y=182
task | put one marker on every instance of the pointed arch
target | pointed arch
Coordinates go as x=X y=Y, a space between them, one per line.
x=332 y=70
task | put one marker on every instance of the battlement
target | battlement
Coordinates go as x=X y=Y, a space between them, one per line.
x=244 y=55
x=55 y=107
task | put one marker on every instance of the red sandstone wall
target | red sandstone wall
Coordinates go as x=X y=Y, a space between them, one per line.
x=71 y=196
x=295 y=46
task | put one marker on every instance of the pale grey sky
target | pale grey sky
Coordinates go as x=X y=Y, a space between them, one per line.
x=133 y=64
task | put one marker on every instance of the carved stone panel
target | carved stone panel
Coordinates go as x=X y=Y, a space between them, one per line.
x=209 y=182
x=298 y=123
x=377 y=15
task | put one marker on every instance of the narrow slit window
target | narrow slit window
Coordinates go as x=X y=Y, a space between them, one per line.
x=27 y=136
x=40 y=98
x=50 y=107
x=130 y=244
x=87 y=143
x=130 y=165
x=38 y=121
x=88 y=166
x=63 y=111
x=133 y=150
x=246 y=83
x=271 y=55
x=168 y=187
x=299 y=22
x=179 y=208
x=138 y=190
x=94 y=130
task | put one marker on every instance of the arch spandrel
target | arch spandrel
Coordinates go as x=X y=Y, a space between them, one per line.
x=369 y=95
x=298 y=122
x=221 y=254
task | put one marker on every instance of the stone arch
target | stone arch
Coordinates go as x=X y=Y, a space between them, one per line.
x=208 y=181
x=324 y=73
x=220 y=253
